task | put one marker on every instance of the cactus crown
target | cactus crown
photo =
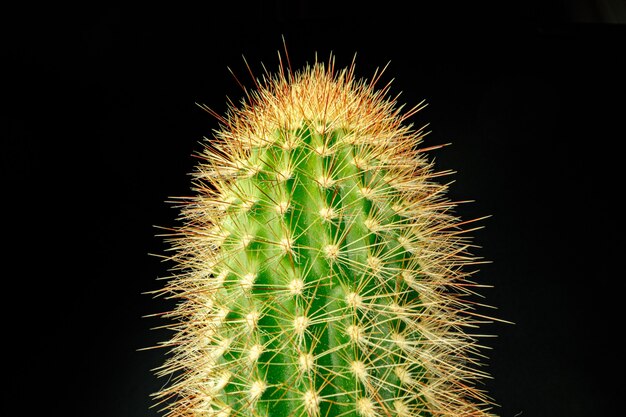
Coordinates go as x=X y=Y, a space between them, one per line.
x=320 y=267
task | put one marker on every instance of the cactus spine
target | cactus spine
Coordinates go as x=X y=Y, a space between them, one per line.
x=320 y=269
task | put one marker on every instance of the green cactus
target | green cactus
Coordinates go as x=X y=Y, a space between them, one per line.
x=320 y=267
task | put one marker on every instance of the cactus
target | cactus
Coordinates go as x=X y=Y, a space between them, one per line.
x=320 y=269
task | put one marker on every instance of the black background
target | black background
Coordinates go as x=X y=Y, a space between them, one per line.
x=101 y=123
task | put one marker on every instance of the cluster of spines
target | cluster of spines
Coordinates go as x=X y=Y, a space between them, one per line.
x=321 y=271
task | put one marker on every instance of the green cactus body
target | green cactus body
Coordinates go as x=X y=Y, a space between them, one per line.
x=320 y=267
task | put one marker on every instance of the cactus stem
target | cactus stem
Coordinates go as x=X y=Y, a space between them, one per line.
x=320 y=269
